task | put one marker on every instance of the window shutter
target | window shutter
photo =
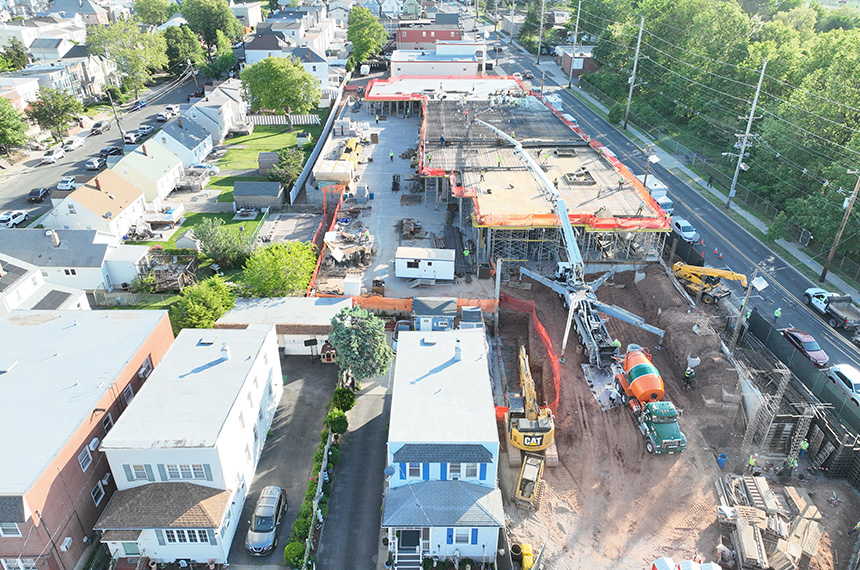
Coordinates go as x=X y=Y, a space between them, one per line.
x=474 y=536
x=425 y=471
x=214 y=542
x=443 y=471
x=403 y=471
x=150 y=476
x=450 y=539
x=482 y=473
x=128 y=475
x=162 y=472
x=160 y=536
x=207 y=469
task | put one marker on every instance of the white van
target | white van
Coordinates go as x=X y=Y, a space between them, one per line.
x=659 y=192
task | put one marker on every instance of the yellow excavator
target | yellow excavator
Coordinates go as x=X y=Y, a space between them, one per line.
x=531 y=430
x=706 y=281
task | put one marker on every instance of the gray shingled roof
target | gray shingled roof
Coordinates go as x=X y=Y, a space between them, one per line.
x=45 y=43
x=443 y=453
x=77 y=51
x=307 y=55
x=246 y=188
x=189 y=135
x=442 y=503
x=12 y=510
x=33 y=246
x=76 y=6
x=165 y=505
x=266 y=41
x=435 y=306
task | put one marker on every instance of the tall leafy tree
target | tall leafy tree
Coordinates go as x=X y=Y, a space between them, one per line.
x=55 y=110
x=290 y=164
x=13 y=129
x=201 y=305
x=227 y=248
x=16 y=55
x=207 y=17
x=281 y=85
x=183 y=46
x=224 y=59
x=152 y=12
x=359 y=338
x=137 y=53
x=280 y=270
x=366 y=35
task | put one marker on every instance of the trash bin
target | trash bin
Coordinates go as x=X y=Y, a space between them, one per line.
x=483 y=271
x=721 y=460
x=516 y=552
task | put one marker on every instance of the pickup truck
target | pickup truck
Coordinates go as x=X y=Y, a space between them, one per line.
x=838 y=310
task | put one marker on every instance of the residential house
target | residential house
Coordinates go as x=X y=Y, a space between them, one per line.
x=375 y=6
x=117 y=9
x=28 y=30
x=434 y=313
x=185 y=139
x=338 y=11
x=22 y=286
x=56 y=74
x=108 y=203
x=296 y=319
x=91 y=13
x=50 y=48
x=182 y=480
x=424 y=36
x=557 y=18
x=442 y=499
x=83 y=259
x=391 y=8
x=220 y=111
x=67 y=376
x=429 y=9
x=411 y=10
x=20 y=90
x=249 y=14
x=151 y=168
x=511 y=24
x=266 y=45
x=99 y=72
x=574 y=64
x=174 y=21
x=313 y=62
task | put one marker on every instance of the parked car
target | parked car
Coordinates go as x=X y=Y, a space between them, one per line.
x=847 y=378
x=99 y=127
x=53 y=155
x=518 y=76
x=144 y=130
x=13 y=219
x=164 y=116
x=528 y=74
x=131 y=137
x=109 y=151
x=67 y=183
x=38 y=194
x=400 y=326
x=683 y=228
x=137 y=105
x=72 y=143
x=211 y=168
x=806 y=343
x=174 y=109
x=262 y=537
x=96 y=163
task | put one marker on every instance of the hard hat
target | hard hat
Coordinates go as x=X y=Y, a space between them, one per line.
x=755 y=454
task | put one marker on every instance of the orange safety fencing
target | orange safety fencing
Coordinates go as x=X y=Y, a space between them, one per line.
x=487 y=305
x=380 y=303
x=326 y=190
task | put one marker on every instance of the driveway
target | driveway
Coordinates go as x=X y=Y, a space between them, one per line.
x=287 y=457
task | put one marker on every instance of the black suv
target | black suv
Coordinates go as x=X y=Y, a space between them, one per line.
x=110 y=150
x=38 y=194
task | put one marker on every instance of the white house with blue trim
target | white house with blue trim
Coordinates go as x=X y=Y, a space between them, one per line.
x=185 y=451
x=442 y=498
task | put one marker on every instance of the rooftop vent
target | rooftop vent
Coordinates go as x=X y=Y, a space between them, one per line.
x=206 y=341
x=225 y=351
x=458 y=354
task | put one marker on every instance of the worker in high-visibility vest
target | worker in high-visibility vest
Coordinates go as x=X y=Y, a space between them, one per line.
x=804 y=445
x=752 y=462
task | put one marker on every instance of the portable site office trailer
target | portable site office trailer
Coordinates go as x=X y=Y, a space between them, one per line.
x=424 y=263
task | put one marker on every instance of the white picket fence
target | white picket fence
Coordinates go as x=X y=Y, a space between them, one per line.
x=284 y=120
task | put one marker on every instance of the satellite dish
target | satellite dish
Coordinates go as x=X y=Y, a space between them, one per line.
x=389 y=471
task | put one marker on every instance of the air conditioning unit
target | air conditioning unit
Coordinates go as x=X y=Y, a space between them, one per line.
x=94 y=444
x=145 y=370
x=106 y=479
x=66 y=544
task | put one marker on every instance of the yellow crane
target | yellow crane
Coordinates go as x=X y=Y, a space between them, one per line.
x=706 y=280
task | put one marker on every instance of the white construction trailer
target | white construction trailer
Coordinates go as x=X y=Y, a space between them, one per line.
x=424 y=263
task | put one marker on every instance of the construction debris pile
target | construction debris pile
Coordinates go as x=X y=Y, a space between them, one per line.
x=348 y=128
x=768 y=530
x=349 y=245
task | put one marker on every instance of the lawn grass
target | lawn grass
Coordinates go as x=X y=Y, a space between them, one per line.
x=224 y=184
x=194 y=219
x=93 y=110
x=266 y=138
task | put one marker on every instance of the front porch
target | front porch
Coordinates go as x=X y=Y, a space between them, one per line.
x=410 y=546
x=143 y=562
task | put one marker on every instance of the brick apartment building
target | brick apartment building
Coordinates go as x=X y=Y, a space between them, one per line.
x=65 y=378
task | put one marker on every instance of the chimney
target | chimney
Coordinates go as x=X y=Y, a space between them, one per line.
x=55 y=238
x=179 y=121
x=458 y=356
x=98 y=183
x=225 y=351
x=2 y=271
x=143 y=148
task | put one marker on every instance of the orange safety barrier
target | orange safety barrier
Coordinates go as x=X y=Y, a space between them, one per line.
x=487 y=305
x=383 y=303
x=330 y=227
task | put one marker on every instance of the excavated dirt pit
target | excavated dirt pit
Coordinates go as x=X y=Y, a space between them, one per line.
x=609 y=504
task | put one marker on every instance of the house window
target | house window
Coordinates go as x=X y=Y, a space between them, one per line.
x=139 y=472
x=70 y=272
x=423 y=34
x=85 y=458
x=107 y=422
x=404 y=34
x=432 y=34
x=170 y=536
x=461 y=536
x=454 y=468
x=131 y=549
x=9 y=529
x=18 y=563
x=414 y=470
x=186 y=471
x=471 y=471
x=163 y=140
x=72 y=209
x=98 y=493
x=452 y=34
x=180 y=536
x=34 y=281
x=412 y=264
x=128 y=394
x=314 y=67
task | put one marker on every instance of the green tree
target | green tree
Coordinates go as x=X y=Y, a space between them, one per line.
x=359 y=338
x=183 y=46
x=152 y=12
x=13 y=129
x=224 y=59
x=201 y=305
x=207 y=17
x=366 y=35
x=226 y=248
x=280 y=270
x=55 y=110
x=290 y=164
x=137 y=53
x=294 y=553
x=336 y=421
x=16 y=54
x=281 y=85
x=343 y=398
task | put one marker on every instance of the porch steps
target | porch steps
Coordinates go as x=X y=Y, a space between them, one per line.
x=408 y=561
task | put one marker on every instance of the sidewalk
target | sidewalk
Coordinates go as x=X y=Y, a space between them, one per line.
x=670 y=162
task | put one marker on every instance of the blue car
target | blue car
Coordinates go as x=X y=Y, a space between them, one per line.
x=139 y=104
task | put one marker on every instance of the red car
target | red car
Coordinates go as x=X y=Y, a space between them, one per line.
x=805 y=343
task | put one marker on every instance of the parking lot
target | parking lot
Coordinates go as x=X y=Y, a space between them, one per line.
x=288 y=454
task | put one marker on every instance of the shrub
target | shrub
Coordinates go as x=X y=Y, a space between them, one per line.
x=293 y=554
x=427 y=563
x=305 y=510
x=616 y=114
x=333 y=455
x=343 y=399
x=336 y=420
x=302 y=527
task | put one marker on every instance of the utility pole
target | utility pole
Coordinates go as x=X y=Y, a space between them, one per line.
x=746 y=137
x=575 y=37
x=635 y=66
x=841 y=227
x=193 y=74
x=540 y=30
x=744 y=308
x=115 y=114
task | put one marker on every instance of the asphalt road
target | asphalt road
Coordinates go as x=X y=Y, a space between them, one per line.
x=741 y=252
x=15 y=186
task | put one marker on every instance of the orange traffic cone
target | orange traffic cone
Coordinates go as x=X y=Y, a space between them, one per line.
x=721 y=256
x=703 y=255
x=715 y=251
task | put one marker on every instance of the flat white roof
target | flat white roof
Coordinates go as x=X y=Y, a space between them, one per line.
x=438 y=399
x=467 y=87
x=186 y=400
x=285 y=311
x=58 y=365
x=424 y=253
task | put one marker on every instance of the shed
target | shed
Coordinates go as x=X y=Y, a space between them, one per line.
x=297 y=320
x=434 y=313
x=424 y=263
x=187 y=240
x=258 y=194
x=266 y=160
